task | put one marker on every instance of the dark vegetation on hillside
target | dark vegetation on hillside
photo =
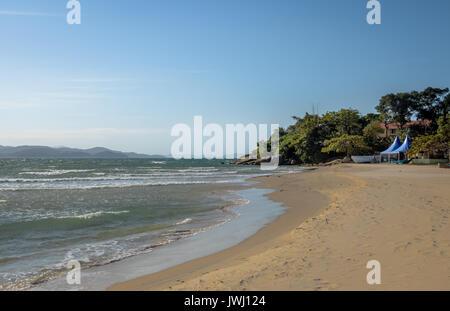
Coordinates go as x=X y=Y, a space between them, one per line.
x=315 y=139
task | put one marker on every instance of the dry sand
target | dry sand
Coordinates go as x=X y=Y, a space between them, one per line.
x=339 y=218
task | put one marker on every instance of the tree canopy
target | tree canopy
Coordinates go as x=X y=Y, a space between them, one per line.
x=347 y=144
x=315 y=138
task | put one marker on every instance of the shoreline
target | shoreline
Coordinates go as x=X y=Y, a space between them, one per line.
x=354 y=213
x=255 y=243
x=251 y=210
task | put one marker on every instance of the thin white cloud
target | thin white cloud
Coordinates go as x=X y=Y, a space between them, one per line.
x=20 y=105
x=23 y=13
x=70 y=95
x=47 y=99
x=97 y=80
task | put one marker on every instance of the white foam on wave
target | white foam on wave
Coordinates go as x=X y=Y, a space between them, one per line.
x=240 y=201
x=54 y=172
x=199 y=169
x=94 y=214
x=183 y=222
x=115 y=185
x=101 y=177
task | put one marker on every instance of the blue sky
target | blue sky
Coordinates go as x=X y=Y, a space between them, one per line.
x=135 y=68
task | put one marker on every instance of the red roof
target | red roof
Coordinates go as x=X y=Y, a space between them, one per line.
x=394 y=126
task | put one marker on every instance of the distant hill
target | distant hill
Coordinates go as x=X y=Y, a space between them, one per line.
x=65 y=153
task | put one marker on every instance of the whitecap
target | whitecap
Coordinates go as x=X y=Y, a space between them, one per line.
x=183 y=222
x=94 y=214
x=115 y=185
x=54 y=172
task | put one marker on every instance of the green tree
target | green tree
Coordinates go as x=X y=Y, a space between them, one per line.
x=304 y=141
x=438 y=144
x=346 y=144
x=444 y=127
x=431 y=104
x=446 y=107
x=373 y=129
x=432 y=144
x=315 y=138
x=397 y=108
x=343 y=122
x=372 y=117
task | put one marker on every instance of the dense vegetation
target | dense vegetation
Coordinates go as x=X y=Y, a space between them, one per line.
x=315 y=139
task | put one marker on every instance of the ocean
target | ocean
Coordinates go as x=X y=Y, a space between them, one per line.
x=101 y=211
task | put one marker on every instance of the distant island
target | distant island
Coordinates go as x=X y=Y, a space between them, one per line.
x=66 y=153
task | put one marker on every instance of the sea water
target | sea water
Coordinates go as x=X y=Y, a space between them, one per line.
x=120 y=218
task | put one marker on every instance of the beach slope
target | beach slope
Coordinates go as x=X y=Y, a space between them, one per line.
x=339 y=219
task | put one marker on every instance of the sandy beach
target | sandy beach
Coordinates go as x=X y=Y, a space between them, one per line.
x=338 y=219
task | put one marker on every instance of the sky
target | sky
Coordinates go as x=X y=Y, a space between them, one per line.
x=133 y=69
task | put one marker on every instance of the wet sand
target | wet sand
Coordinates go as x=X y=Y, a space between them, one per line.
x=338 y=219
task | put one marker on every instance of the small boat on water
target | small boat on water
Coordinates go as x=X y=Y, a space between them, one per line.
x=366 y=159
